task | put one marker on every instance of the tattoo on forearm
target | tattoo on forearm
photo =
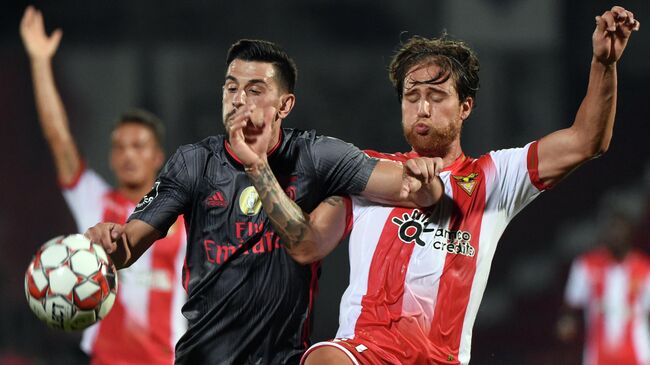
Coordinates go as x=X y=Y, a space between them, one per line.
x=289 y=221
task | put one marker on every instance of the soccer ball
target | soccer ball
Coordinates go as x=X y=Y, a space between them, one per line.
x=70 y=283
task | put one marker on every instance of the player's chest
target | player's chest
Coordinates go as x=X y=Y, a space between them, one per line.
x=228 y=206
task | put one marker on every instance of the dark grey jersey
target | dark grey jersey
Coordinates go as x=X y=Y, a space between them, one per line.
x=248 y=301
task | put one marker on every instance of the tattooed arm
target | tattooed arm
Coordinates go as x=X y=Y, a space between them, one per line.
x=307 y=237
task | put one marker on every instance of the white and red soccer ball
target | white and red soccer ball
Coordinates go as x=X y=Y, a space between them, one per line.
x=71 y=283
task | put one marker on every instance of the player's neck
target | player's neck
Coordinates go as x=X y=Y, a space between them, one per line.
x=449 y=155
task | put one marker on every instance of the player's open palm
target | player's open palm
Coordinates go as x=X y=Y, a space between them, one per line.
x=613 y=29
x=32 y=30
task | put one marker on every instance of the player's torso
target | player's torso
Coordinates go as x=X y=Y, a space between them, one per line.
x=247 y=297
x=616 y=318
x=417 y=277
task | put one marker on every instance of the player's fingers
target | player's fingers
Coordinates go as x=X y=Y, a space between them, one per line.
x=630 y=17
x=404 y=191
x=27 y=16
x=100 y=234
x=438 y=166
x=610 y=22
x=411 y=168
x=257 y=118
x=56 y=37
x=427 y=168
x=619 y=12
x=116 y=231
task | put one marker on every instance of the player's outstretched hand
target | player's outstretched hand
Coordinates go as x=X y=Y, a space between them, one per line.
x=249 y=133
x=613 y=29
x=418 y=174
x=106 y=234
x=32 y=30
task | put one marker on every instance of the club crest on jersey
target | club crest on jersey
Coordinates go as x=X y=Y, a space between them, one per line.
x=147 y=199
x=467 y=183
x=412 y=226
x=249 y=201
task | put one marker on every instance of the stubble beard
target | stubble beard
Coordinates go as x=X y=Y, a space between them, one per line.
x=436 y=143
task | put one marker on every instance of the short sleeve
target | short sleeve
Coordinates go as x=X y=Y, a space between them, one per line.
x=85 y=199
x=340 y=167
x=576 y=293
x=516 y=170
x=169 y=197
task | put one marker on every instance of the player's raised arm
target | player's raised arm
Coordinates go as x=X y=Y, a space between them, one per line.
x=125 y=243
x=51 y=113
x=589 y=136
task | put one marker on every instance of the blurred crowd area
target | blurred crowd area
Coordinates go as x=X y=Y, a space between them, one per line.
x=169 y=57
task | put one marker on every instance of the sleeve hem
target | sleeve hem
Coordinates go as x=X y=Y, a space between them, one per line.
x=533 y=172
x=75 y=180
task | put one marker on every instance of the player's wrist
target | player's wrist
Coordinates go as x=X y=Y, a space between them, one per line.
x=256 y=167
x=38 y=60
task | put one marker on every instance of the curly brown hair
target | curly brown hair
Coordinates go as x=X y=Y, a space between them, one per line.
x=454 y=58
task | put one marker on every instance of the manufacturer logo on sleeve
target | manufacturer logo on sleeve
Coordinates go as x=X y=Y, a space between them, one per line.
x=249 y=201
x=147 y=199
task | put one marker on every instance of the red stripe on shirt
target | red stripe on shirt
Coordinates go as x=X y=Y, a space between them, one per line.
x=458 y=274
x=382 y=304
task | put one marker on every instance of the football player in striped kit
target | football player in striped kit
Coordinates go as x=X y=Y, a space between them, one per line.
x=611 y=283
x=146 y=321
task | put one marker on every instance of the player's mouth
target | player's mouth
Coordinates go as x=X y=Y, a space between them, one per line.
x=421 y=129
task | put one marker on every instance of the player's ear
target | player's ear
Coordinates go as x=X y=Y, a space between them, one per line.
x=466 y=107
x=287 y=102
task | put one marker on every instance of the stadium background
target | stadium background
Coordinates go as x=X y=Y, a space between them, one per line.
x=168 y=56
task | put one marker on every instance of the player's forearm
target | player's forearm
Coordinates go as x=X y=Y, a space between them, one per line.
x=51 y=112
x=54 y=120
x=387 y=181
x=594 y=121
x=288 y=219
x=136 y=238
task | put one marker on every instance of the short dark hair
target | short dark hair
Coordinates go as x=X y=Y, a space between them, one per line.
x=264 y=51
x=144 y=118
x=454 y=57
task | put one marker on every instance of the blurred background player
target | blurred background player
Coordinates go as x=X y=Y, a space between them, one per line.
x=146 y=320
x=611 y=284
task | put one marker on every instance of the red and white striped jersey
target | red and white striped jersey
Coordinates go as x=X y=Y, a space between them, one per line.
x=616 y=298
x=146 y=320
x=417 y=278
